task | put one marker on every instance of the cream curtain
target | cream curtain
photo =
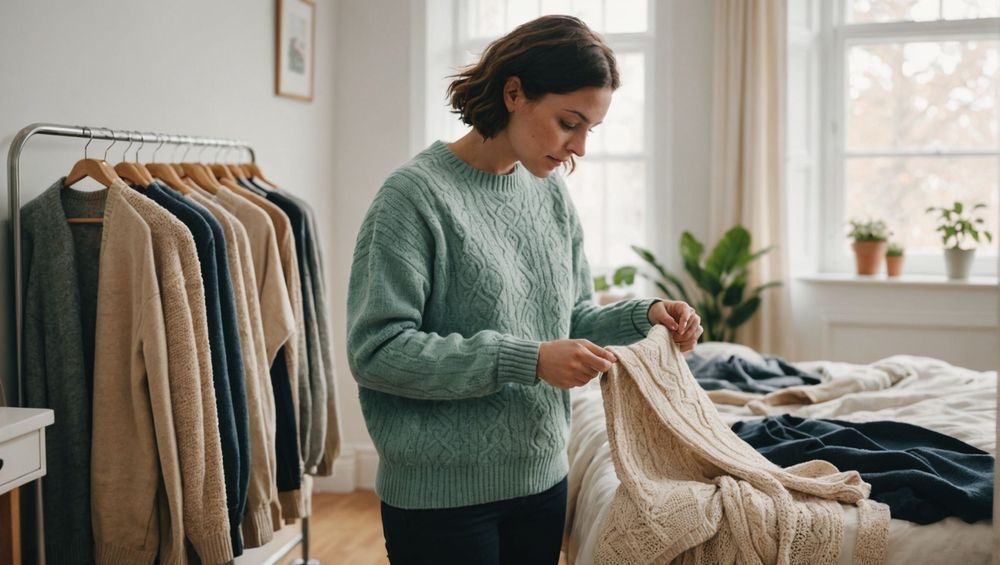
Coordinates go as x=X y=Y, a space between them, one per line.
x=748 y=137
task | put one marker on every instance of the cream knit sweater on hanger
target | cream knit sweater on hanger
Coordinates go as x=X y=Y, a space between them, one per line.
x=692 y=492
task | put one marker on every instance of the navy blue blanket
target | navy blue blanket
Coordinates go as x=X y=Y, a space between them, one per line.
x=922 y=475
x=736 y=373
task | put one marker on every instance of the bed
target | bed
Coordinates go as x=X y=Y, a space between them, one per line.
x=928 y=393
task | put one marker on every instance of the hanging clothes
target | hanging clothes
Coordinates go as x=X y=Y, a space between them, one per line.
x=155 y=455
x=257 y=526
x=227 y=370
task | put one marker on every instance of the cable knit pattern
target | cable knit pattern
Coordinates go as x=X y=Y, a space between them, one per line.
x=457 y=277
x=692 y=492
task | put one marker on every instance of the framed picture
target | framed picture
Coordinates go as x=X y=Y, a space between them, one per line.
x=295 y=49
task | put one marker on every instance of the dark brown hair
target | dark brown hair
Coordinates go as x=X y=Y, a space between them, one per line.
x=552 y=54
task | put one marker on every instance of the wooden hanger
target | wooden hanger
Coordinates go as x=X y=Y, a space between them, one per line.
x=202 y=176
x=167 y=174
x=254 y=173
x=97 y=169
x=222 y=172
x=237 y=171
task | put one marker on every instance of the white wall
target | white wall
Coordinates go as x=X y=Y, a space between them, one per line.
x=198 y=68
x=374 y=117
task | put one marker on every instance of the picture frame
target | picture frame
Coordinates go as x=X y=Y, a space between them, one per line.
x=295 y=49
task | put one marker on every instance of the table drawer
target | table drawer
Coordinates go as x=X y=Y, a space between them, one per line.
x=20 y=456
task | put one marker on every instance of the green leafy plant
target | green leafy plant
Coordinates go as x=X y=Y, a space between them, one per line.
x=894 y=250
x=871 y=230
x=623 y=277
x=720 y=279
x=958 y=224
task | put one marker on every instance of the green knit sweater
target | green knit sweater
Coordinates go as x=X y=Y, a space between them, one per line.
x=458 y=276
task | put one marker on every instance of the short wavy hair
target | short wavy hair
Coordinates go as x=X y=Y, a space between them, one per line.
x=552 y=54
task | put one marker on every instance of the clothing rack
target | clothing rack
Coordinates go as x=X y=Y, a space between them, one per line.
x=13 y=187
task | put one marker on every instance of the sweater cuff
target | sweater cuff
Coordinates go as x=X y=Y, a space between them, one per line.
x=258 y=529
x=518 y=362
x=640 y=315
x=214 y=547
x=106 y=553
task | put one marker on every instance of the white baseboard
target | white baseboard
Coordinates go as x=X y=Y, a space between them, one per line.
x=353 y=470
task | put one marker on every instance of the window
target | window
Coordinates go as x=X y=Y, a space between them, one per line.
x=610 y=186
x=914 y=120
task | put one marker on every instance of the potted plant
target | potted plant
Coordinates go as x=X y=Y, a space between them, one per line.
x=723 y=300
x=957 y=225
x=894 y=259
x=869 y=244
x=622 y=278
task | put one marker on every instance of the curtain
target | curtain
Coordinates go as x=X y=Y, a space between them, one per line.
x=748 y=137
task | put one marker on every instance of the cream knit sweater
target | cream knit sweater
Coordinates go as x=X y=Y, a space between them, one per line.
x=692 y=492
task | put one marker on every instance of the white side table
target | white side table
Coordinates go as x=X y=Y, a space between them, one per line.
x=22 y=459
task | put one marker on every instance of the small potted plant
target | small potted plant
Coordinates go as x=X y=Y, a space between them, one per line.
x=622 y=278
x=957 y=226
x=894 y=259
x=869 y=244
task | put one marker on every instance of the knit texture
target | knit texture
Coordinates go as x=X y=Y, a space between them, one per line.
x=58 y=369
x=693 y=492
x=227 y=396
x=294 y=354
x=277 y=317
x=191 y=459
x=458 y=276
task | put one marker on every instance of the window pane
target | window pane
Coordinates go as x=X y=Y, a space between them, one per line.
x=623 y=129
x=591 y=12
x=486 y=18
x=868 y=11
x=586 y=188
x=923 y=95
x=520 y=11
x=625 y=16
x=969 y=9
x=626 y=200
x=899 y=190
x=610 y=197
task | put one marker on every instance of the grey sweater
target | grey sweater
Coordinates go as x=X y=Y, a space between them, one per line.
x=60 y=304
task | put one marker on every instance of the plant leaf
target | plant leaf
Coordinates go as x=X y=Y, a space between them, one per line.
x=733 y=246
x=743 y=312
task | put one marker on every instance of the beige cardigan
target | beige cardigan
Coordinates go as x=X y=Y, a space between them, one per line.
x=156 y=464
x=693 y=492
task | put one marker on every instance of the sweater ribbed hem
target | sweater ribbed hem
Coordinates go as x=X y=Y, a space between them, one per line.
x=640 y=315
x=411 y=486
x=258 y=529
x=291 y=505
x=216 y=547
x=518 y=361
x=111 y=554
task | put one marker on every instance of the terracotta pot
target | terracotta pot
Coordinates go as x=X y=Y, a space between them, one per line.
x=868 y=256
x=894 y=265
x=605 y=298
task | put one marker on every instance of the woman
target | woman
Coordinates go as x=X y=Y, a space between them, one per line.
x=470 y=314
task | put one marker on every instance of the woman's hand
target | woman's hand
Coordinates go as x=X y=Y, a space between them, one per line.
x=567 y=363
x=681 y=319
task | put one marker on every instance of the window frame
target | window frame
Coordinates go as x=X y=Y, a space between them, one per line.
x=841 y=37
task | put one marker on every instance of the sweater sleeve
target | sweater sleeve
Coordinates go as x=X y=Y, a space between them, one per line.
x=389 y=284
x=621 y=323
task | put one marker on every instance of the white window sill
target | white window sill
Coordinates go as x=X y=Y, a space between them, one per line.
x=910 y=281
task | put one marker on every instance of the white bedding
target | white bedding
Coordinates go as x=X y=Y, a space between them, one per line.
x=932 y=394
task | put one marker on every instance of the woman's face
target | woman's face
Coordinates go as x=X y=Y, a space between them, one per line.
x=544 y=133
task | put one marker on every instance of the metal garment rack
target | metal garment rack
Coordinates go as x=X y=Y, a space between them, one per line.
x=13 y=185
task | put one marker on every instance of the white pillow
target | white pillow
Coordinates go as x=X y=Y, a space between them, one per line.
x=712 y=349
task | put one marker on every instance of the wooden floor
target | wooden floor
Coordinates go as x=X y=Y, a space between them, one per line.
x=346 y=528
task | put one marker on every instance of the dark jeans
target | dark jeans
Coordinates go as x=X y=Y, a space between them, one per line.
x=526 y=530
